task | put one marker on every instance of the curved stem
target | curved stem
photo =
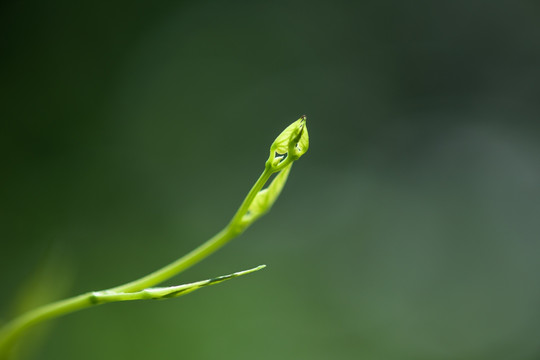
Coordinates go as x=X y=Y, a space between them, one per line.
x=232 y=230
x=11 y=331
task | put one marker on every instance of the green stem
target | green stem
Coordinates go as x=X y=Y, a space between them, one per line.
x=11 y=331
x=232 y=230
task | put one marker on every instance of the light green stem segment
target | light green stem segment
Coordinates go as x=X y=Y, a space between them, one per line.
x=233 y=229
x=11 y=331
x=16 y=327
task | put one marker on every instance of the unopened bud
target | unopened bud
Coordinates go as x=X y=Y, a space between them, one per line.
x=292 y=143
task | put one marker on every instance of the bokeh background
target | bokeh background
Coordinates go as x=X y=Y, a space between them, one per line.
x=132 y=130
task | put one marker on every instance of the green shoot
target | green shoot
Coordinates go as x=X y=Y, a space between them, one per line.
x=288 y=147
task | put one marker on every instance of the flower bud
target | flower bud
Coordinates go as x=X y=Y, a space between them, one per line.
x=292 y=143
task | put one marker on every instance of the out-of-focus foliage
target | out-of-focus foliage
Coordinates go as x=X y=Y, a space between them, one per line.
x=408 y=231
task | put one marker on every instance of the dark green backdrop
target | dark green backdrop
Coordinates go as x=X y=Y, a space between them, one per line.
x=130 y=132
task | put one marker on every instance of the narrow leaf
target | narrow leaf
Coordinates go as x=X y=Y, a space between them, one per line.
x=166 y=292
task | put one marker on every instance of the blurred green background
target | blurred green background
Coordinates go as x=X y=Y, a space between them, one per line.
x=131 y=131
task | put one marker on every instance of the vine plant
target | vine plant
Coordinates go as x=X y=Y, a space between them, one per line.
x=288 y=147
